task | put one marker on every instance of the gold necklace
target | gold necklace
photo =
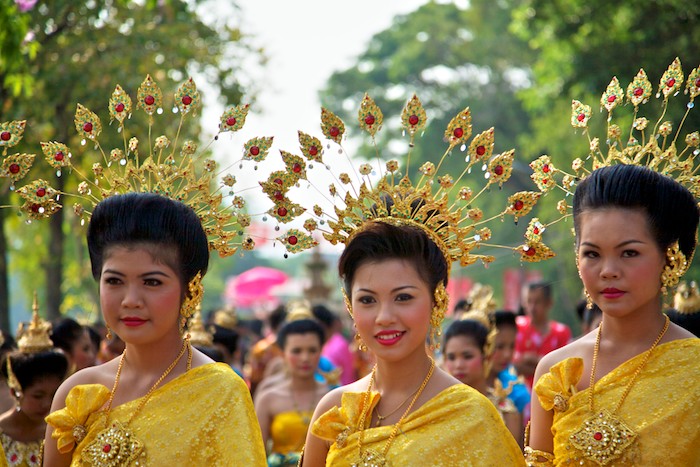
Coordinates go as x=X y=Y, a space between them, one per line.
x=384 y=417
x=371 y=458
x=603 y=437
x=303 y=415
x=116 y=445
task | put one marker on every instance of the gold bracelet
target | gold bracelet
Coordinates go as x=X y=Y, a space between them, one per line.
x=533 y=458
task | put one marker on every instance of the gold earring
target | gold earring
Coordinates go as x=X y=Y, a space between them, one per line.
x=346 y=299
x=358 y=340
x=195 y=292
x=437 y=314
x=589 y=300
x=108 y=335
x=676 y=266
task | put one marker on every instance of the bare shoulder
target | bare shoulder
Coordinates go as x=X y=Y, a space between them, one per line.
x=101 y=374
x=577 y=348
x=676 y=332
x=335 y=397
x=199 y=358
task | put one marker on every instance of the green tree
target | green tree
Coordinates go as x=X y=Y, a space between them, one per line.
x=79 y=52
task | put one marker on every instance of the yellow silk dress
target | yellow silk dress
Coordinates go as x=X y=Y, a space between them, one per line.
x=288 y=433
x=458 y=427
x=663 y=406
x=19 y=454
x=204 y=417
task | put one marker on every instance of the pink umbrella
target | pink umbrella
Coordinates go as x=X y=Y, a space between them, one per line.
x=253 y=286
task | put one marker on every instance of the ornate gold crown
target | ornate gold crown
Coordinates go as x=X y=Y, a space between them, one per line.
x=687 y=298
x=155 y=165
x=34 y=337
x=656 y=149
x=437 y=204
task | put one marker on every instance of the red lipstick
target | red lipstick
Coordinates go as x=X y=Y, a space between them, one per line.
x=389 y=337
x=133 y=321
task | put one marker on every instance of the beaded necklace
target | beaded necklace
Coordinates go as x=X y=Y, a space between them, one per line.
x=603 y=437
x=116 y=445
x=372 y=458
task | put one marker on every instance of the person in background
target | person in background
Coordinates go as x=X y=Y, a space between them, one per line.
x=502 y=375
x=336 y=349
x=468 y=352
x=537 y=334
x=266 y=350
x=284 y=409
x=7 y=345
x=686 y=307
x=74 y=339
x=33 y=373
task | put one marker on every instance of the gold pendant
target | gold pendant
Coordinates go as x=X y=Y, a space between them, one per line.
x=602 y=437
x=114 y=446
x=370 y=458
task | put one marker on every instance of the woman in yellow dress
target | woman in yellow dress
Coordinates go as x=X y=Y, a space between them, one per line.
x=33 y=373
x=626 y=393
x=285 y=409
x=400 y=241
x=152 y=219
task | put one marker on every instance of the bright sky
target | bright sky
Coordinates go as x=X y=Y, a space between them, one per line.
x=305 y=42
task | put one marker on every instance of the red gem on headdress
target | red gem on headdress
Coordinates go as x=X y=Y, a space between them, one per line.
x=41 y=192
x=334 y=131
x=119 y=107
x=597 y=436
x=581 y=117
x=13 y=458
x=278 y=181
x=230 y=121
x=480 y=150
x=296 y=167
x=5 y=136
x=413 y=119
x=369 y=119
x=58 y=156
x=87 y=127
x=149 y=100
x=458 y=132
x=313 y=150
x=518 y=205
x=278 y=195
x=33 y=458
x=638 y=91
x=530 y=251
x=545 y=168
x=187 y=100
x=498 y=170
x=282 y=212
x=255 y=150
x=292 y=240
x=106 y=448
x=697 y=83
x=671 y=82
x=535 y=230
x=14 y=168
x=35 y=207
x=612 y=98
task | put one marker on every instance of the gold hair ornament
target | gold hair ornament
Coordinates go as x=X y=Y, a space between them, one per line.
x=439 y=205
x=651 y=145
x=437 y=314
x=34 y=338
x=193 y=299
x=676 y=266
x=173 y=169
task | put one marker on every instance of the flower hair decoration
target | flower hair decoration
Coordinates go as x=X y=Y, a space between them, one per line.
x=144 y=163
x=439 y=204
x=656 y=145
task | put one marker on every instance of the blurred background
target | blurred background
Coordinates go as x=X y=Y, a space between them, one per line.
x=516 y=63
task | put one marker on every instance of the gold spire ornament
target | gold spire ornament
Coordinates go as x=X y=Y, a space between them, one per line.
x=199 y=334
x=439 y=204
x=657 y=145
x=144 y=163
x=34 y=337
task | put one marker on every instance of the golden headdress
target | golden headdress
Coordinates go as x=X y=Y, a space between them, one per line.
x=199 y=334
x=226 y=318
x=687 y=298
x=34 y=337
x=653 y=145
x=299 y=309
x=156 y=165
x=438 y=204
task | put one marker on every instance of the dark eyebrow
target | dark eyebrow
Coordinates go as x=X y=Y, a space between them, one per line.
x=625 y=243
x=150 y=273
x=394 y=290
